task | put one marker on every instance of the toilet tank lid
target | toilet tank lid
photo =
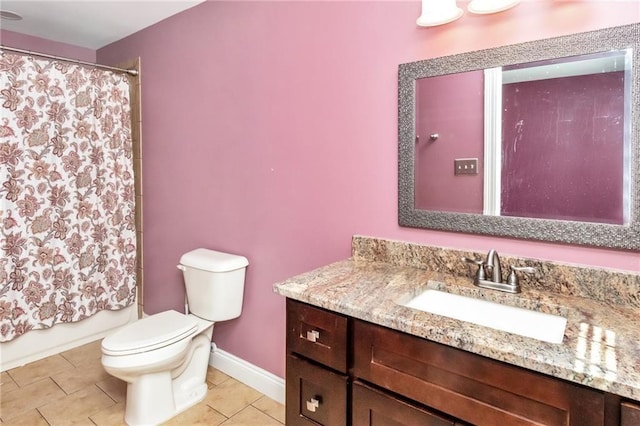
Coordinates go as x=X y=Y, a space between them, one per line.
x=214 y=261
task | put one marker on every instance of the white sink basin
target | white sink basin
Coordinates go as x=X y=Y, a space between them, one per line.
x=537 y=325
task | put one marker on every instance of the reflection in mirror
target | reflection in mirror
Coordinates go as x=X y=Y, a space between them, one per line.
x=535 y=140
x=565 y=140
x=450 y=106
x=561 y=150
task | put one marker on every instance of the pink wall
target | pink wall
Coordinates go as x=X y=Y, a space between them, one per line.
x=270 y=130
x=41 y=45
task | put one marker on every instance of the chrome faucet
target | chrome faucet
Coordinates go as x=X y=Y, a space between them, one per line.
x=495 y=283
x=493 y=262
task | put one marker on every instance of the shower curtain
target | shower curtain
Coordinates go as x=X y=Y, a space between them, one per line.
x=67 y=199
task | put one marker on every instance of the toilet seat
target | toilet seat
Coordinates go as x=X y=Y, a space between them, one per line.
x=150 y=333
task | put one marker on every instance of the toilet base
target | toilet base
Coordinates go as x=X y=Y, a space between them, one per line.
x=191 y=398
x=154 y=398
x=142 y=410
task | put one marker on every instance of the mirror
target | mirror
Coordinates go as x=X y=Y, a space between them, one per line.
x=546 y=139
x=537 y=140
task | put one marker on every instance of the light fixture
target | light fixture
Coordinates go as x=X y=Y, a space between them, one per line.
x=490 y=6
x=10 y=16
x=438 y=12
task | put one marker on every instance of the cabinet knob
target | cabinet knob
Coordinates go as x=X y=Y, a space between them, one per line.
x=313 y=335
x=312 y=405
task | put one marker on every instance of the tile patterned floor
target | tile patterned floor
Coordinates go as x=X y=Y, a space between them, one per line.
x=72 y=388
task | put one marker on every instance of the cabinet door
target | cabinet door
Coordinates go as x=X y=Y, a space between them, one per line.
x=629 y=414
x=374 y=408
x=472 y=388
x=315 y=395
x=317 y=334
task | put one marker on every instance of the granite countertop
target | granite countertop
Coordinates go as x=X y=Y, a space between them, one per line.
x=601 y=346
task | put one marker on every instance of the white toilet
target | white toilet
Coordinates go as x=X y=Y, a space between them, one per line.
x=164 y=357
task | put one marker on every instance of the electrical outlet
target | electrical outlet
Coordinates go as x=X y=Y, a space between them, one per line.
x=465 y=166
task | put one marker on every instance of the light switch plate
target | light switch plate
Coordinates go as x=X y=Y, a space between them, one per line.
x=465 y=166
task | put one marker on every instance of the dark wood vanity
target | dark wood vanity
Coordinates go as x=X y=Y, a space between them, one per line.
x=343 y=371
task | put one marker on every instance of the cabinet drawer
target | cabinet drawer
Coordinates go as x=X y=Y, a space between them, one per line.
x=629 y=414
x=315 y=395
x=467 y=386
x=317 y=334
x=374 y=408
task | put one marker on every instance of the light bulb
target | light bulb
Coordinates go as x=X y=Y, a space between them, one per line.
x=438 y=12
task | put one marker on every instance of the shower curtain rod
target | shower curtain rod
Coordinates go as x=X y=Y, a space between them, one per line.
x=75 y=61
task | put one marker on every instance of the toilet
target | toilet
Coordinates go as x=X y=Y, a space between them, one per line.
x=164 y=357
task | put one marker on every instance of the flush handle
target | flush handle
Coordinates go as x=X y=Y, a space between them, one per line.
x=313 y=404
x=312 y=336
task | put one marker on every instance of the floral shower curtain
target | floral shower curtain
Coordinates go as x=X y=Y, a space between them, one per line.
x=67 y=218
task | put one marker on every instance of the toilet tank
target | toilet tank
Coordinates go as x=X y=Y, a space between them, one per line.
x=214 y=283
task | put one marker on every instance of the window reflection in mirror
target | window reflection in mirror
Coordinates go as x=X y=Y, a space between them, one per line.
x=551 y=139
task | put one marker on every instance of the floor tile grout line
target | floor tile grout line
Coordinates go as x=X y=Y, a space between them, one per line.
x=58 y=385
x=225 y=417
x=267 y=414
x=106 y=393
x=42 y=416
x=264 y=412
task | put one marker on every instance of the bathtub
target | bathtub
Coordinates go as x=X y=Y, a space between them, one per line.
x=38 y=344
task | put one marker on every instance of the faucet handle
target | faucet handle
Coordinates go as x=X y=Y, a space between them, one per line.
x=513 y=278
x=474 y=261
x=480 y=264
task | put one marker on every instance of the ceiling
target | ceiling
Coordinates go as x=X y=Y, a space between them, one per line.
x=88 y=23
x=97 y=23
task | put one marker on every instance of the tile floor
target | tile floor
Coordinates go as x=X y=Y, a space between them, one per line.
x=72 y=388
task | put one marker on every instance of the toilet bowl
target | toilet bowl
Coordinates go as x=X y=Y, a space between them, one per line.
x=164 y=357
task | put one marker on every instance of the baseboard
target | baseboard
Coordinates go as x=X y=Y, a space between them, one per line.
x=247 y=373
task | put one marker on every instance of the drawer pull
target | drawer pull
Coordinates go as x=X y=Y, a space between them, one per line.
x=313 y=335
x=312 y=405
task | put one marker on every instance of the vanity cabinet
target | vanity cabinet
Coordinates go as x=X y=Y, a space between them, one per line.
x=629 y=414
x=343 y=371
x=317 y=381
x=315 y=395
x=469 y=387
x=378 y=408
